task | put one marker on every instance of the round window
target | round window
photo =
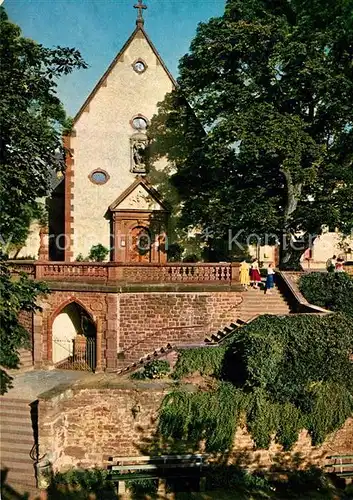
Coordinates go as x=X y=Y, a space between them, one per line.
x=139 y=67
x=99 y=177
x=139 y=123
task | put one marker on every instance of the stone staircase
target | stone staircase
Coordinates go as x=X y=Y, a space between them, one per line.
x=17 y=446
x=26 y=359
x=256 y=302
x=159 y=353
x=217 y=337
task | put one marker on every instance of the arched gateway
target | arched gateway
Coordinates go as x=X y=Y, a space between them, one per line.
x=74 y=337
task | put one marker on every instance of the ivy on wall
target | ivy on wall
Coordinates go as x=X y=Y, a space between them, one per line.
x=278 y=375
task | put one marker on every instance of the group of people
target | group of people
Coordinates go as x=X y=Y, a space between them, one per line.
x=335 y=264
x=250 y=275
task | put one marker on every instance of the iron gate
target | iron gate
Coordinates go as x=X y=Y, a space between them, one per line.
x=78 y=353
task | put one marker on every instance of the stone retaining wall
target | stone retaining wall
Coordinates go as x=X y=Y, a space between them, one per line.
x=83 y=427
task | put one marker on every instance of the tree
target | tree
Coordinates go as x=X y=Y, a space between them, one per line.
x=32 y=120
x=15 y=296
x=260 y=129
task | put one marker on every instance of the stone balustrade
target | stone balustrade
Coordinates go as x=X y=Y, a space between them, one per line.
x=223 y=273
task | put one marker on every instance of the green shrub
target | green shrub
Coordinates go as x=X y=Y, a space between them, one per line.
x=191 y=257
x=329 y=405
x=80 y=484
x=332 y=291
x=98 y=253
x=205 y=361
x=158 y=368
x=175 y=252
x=212 y=416
x=282 y=373
x=81 y=258
x=284 y=354
x=233 y=477
x=142 y=486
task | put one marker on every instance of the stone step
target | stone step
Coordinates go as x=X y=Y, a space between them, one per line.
x=262 y=296
x=15 y=414
x=22 y=479
x=11 y=440
x=267 y=307
x=262 y=312
x=16 y=430
x=16 y=446
x=6 y=400
x=15 y=419
x=27 y=491
x=261 y=293
x=21 y=482
x=26 y=358
x=20 y=465
x=263 y=304
x=14 y=456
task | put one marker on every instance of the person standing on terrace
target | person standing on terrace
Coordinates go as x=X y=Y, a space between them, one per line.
x=244 y=274
x=255 y=274
x=270 y=278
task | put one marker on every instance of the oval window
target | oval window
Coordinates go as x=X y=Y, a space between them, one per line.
x=99 y=177
x=139 y=123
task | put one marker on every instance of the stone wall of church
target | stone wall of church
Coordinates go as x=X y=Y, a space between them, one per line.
x=83 y=427
x=31 y=248
x=102 y=140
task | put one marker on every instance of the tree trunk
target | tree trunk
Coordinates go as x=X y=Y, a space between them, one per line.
x=292 y=248
x=290 y=253
x=289 y=256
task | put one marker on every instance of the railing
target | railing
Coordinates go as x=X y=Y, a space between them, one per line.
x=76 y=354
x=225 y=273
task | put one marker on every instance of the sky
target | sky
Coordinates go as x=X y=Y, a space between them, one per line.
x=99 y=28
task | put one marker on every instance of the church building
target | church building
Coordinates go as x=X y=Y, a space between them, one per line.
x=105 y=197
x=108 y=199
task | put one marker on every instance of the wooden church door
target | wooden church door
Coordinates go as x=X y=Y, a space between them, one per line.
x=140 y=247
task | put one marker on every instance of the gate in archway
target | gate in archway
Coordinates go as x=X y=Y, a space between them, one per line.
x=78 y=353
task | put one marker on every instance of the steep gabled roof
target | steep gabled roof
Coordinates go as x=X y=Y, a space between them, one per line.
x=148 y=187
x=138 y=28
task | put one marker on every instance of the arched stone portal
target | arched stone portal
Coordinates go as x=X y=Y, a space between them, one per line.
x=74 y=339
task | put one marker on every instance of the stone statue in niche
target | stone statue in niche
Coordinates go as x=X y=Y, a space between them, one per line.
x=138 y=145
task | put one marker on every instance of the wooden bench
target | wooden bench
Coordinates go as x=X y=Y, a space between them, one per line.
x=341 y=465
x=158 y=467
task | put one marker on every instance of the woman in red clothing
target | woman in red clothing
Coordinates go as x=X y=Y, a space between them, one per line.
x=255 y=276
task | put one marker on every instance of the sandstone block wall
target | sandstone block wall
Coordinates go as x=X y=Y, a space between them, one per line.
x=26 y=320
x=82 y=428
x=132 y=325
x=151 y=320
